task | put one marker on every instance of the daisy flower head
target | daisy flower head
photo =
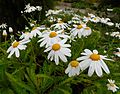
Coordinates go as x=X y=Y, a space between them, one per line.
x=73 y=68
x=86 y=32
x=95 y=19
x=94 y=61
x=16 y=46
x=117 y=53
x=4 y=33
x=60 y=25
x=36 y=31
x=77 y=30
x=111 y=86
x=75 y=20
x=104 y=20
x=59 y=50
x=52 y=12
x=10 y=29
x=49 y=37
x=26 y=36
x=4 y=25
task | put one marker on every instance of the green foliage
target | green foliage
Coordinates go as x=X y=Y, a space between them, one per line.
x=33 y=73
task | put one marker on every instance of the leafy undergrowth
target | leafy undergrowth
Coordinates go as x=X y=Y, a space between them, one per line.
x=34 y=73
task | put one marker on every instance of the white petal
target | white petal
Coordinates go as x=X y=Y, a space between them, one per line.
x=82 y=58
x=50 y=54
x=88 y=52
x=48 y=49
x=43 y=43
x=68 y=69
x=98 y=69
x=63 y=41
x=66 y=51
x=91 y=69
x=11 y=53
x=95 y=51
x=62 y=56
x=56 y=59
x=9 y=49
x=17 y=53
x=104 y=66
x=22 y=47
x=85 y=64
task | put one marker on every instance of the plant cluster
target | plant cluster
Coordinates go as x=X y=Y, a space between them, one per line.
x=66 y=53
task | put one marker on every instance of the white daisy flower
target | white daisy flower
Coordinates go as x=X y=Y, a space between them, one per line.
x=39 y=8
x=104 y=20
x=4 y=25
x=111 y=86
x=86 y=32
x=59 y=50
x=109 y=9
x=49 y=37
x=117 y=53
x=77 y=30
x=60 y=25
x=117 y=25
x=73 y=68
x=26 y=36
x=94 y=61
x=16 y=46
x=29 y=8
x=36 y=31
x=95 y=19
x=53 y=12
x=4 y=33
x=10 y=29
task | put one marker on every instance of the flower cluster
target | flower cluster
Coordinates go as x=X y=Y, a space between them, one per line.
x=29 y=9
x=56 y=40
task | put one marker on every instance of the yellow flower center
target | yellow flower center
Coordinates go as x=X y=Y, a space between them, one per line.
x=95 y=57
x=26 y=32
x=60 y=22
x=56 y=47
x=95 y=18
x=79 y=26
x=34 y=28
x=87 y=28
x=74 y=63
x=53 y=34
x=15 y=44
x=111 y=84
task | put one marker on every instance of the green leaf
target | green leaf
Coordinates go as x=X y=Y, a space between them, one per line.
x=22 y=85
x=64 y=91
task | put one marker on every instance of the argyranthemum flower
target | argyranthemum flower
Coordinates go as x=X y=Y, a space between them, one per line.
x=117 y=53
x=49 y=37
x=59 y=50
x=86 y=31
x=73 y=68
x=4 y=33
x=77 y=30
x=3 y=25
x=16 y=46
x=26 y=36
x=60 y=25
x=95 y=19
x=111 y=86
x=94 y=61
x=36 y=31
